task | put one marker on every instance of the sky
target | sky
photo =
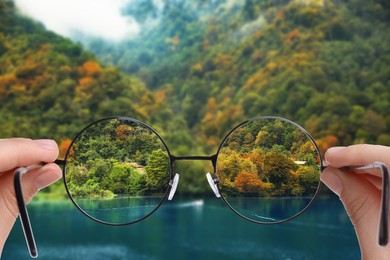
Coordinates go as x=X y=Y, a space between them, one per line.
x=97 y=18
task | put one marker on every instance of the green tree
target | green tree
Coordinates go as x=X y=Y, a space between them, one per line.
x=157 y=171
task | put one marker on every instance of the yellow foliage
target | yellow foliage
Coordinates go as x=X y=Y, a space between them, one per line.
x=301 y=60
x=7 y=80
x=211 y=104
x=222 y=60
x=66 y=68
x=197 y=67
x=271 y=54
x=313 y=11
x=271 y=66
x=18 y=89
x=259 y=79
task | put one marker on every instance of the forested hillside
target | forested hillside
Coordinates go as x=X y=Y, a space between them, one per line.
x=200 y=67
x=51 y=87
x=322 y=63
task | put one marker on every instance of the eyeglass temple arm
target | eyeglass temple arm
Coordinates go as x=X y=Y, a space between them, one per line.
x=383 y=233
x=23 y=213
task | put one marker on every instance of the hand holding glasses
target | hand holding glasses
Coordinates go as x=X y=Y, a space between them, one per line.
x=118 y=171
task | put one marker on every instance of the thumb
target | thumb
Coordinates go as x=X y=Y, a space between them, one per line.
x=31 y=182
x=361 y=200
x=38 y=179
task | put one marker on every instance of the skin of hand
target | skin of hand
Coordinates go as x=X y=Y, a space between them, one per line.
x=18 y=152
x=359 y=192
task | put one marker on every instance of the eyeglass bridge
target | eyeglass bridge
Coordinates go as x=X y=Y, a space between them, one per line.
x=212 y=180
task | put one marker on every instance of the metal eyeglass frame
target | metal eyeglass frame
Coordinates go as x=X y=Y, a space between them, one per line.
x=212 y=180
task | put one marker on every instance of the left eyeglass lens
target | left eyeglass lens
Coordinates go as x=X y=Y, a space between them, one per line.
x=117 y=171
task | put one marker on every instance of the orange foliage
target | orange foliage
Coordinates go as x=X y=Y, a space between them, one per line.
x=160 y=96
x=257 y=35
x=85 y=81
x=206 y=44
x=326 y=143
x=90 y=69
x=63 y=147
x=292 y=37
x=248 y=183
x=281 y=15
x=257 y=56
x=122 y=132
x=174 y=41
x=208 y=117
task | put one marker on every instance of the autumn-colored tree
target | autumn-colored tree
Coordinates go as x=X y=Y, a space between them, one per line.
x=248 y=184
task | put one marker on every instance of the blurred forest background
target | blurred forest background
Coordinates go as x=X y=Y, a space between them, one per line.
x=198 y=68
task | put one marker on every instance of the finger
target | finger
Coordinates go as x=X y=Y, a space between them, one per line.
x=38 y=179
x=360 y=154
x=16 y=152
x=360 y=199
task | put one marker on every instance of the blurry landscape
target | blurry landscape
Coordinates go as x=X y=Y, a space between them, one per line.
x=196 y=69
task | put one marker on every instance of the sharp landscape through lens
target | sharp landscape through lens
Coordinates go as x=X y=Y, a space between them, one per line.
x=117 y=171
x=269 y=170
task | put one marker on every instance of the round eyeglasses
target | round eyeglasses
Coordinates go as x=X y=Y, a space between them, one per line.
x=119 y=170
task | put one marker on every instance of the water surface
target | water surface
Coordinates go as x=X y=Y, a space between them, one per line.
x=187 y=228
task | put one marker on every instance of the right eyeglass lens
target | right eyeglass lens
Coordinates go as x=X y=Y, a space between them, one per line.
x=117 y=171
x=269 y=170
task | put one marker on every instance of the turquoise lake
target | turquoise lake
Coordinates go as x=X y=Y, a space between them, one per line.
x=187 y=228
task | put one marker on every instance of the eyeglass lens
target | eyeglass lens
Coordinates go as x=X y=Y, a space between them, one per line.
x=269 y=170
x=117 y=171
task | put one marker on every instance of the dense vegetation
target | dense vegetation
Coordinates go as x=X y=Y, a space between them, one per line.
x=321 y=63
x=117 y=157
x=262 y=158
x=52 y=87
x=268 y=158
x=203 y=67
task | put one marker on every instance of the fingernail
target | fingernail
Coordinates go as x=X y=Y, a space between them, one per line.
x=46 y=178
x=333 y=181
x=47 y=144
